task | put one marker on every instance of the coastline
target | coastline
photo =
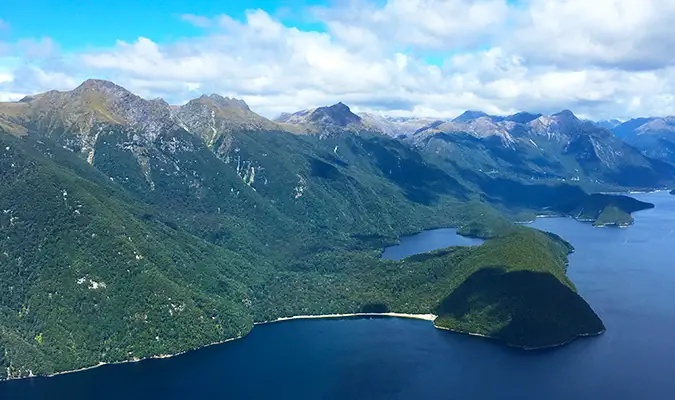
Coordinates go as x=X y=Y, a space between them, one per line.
x=133 y=360
x=425 y=317
x=551 y=346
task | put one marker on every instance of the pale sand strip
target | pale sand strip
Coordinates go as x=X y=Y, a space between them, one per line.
x=426 y=317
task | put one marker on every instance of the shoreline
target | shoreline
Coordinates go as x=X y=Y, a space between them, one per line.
x=133 y=360
x=424 y=317
x=550 y=346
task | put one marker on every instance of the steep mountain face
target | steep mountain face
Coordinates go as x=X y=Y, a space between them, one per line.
x=77 y=118
x=655 y=137
x=557 y=147
x=214 y=116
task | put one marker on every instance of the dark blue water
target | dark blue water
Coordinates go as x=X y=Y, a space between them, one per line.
x=627 y=275
x=427 y=241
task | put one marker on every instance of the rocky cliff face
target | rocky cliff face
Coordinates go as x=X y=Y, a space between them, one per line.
x=215 y=118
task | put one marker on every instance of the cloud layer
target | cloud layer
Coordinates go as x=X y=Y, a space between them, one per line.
x=602 y=59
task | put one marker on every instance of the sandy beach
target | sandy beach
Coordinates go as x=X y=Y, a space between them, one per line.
x=426 y=317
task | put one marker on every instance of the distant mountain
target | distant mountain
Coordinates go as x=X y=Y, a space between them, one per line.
x=558 y=147
x=628 y=129
x=481 y=127
x=522 y=117
x=654 y=137
x=470 y=115
x=323 y=121
x=395 y=126
x=608 y=124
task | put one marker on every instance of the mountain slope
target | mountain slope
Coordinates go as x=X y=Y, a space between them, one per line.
x=91 y=276
x=655 y=137
x=324 y=121
x=126 y=280
x=214 y=115
x=559 y=147
x=134 y=232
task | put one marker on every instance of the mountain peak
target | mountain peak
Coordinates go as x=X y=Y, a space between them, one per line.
x=223 y=102
x=522 y=117
x=98 y=85
x=566 y=114
x=470 y=115
x=338 y=114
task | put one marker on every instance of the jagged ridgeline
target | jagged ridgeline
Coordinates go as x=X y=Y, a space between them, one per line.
x=130 y=228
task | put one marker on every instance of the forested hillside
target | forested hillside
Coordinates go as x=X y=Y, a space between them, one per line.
x=130 y=230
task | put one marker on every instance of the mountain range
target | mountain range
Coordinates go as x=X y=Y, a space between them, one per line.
x=131 y=228
x=654 y=137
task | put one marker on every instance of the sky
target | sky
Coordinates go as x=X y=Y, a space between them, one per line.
x=603 y=59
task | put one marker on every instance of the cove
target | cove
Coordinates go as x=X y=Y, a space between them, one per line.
x=426 y=241
x=627 y=276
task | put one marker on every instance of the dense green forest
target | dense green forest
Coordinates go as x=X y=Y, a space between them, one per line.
x=128 y=231
x=123 y=261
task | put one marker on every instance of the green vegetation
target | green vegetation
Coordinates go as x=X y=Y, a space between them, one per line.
x=613 y=216
x=516 y=291
x=605 y=209
x=167 y=245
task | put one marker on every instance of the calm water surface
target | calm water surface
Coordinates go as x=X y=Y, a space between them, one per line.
x=627 y=275
x=427 y=241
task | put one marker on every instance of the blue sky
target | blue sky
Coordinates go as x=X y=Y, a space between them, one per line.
x=602 y=59
x=77 y=24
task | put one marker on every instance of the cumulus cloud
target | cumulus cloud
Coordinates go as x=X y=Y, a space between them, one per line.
x=602 y=59
x=423 y=24
x=627 y=34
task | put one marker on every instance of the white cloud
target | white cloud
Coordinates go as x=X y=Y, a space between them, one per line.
x=8 y=96
x=605 y=58
x=631 y=34
x=428 y=24
x=197 y=20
